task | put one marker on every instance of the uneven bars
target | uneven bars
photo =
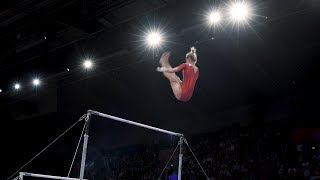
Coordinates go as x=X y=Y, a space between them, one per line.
x=133 y=123
x=46 y=176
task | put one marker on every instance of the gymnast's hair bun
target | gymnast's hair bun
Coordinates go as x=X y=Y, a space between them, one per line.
x=193 y=50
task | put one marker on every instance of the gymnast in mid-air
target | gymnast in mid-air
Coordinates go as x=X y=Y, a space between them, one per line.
x=182 y=90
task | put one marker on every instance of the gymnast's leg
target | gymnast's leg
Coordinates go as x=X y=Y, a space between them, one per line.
x=174 y=80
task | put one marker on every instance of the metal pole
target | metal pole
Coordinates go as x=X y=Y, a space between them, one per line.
x=134 y=123
x=180 y=158
x=85 y=144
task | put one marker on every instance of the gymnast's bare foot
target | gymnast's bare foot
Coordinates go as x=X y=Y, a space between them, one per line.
x=164 y=58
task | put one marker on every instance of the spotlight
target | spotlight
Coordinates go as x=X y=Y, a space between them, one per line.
x=239 y=11
x=214 y=17
x=154 y=39
x=0 y=90
x=36 y=82
x=87 y=64
x=17 y=86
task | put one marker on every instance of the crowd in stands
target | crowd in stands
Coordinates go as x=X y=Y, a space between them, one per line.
x=242 y=153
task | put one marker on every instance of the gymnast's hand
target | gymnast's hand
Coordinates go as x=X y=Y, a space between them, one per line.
x=160 y=69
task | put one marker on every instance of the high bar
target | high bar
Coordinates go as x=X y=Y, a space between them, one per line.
x=133 y=123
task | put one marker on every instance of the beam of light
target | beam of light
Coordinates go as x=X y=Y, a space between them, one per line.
x=87 y=64
x=154 y=39
x=36 y=82
x=214 y=17
x=17 y=86
x=239 y=11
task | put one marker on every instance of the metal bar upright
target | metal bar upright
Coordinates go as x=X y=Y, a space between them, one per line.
x=85 y=145
x=180 y=158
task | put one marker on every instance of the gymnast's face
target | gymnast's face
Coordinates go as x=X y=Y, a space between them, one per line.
x=188 y=60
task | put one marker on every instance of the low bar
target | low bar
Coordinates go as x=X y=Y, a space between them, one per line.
x=134 y=123
x=45 y=176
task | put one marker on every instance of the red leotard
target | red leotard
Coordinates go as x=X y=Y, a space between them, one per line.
x=189 y=80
